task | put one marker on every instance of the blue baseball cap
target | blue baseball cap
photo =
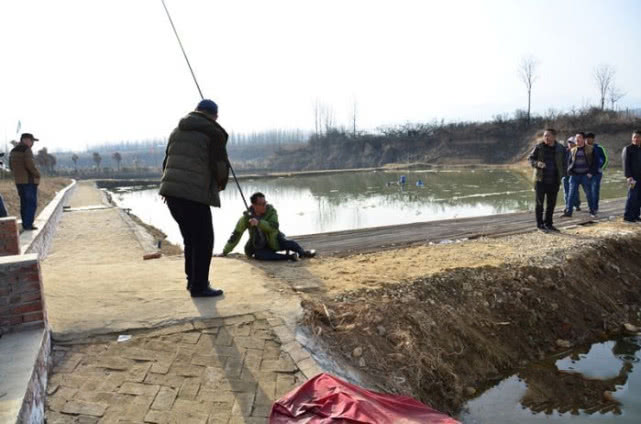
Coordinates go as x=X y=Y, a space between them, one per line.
x=208 y=106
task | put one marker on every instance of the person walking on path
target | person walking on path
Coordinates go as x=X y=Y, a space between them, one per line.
x=195 y=170
x=601 y=158
x=265 y=238
x=581 y=168
x=27 y=178
x=631 y=159
x=566 y=180
x=547 y=159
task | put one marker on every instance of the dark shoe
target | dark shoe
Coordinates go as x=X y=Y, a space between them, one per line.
x=33 y=227
x=627 y=221
x=578 y=209
x=552 y=228
x=293 y=257
x=566 y=215
x=309 y=253
x=592 y=214
x=208 y=292
x=541 y=227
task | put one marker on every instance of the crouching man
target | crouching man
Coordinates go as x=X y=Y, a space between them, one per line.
x=265 y=238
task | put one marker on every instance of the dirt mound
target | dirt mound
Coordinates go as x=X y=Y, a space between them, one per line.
x=443 y=337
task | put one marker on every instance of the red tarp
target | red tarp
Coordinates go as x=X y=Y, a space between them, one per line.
x=326 y=399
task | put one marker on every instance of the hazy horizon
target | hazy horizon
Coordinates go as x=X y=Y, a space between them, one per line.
x=89 y=73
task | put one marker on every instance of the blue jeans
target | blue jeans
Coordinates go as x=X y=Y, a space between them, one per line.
x=633 y=203
x=3 y=210
x=566 y=193
x=28 y=204
x=575 y=182
x=596 y=190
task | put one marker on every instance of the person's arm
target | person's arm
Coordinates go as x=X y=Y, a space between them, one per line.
x=594 y=166
x=533 y=158
x=30 y=164
x=604 y=154
x=627 y=172
x=241 y=226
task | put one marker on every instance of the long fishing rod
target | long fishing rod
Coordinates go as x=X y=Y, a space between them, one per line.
x=171 y=21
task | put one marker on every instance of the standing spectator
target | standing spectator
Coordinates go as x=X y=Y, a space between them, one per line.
x=601 y=158
x=195 y=170
x=566 y=180
x=581 y=169
x=547 y=159
x=631 y=159
x=27 y=178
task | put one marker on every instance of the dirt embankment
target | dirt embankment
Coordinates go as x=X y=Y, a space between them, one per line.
x=453 y=319
x=47 y=190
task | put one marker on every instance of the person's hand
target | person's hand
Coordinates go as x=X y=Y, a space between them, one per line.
x=540 y=164
x=253 y=222
x=589 y=175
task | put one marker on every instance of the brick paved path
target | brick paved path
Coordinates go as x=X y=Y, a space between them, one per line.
x=218 y=370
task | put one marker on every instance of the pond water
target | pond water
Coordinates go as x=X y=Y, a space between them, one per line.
x=597 y=384
x=333 y=202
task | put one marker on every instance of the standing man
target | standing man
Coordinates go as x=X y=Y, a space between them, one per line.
x=195 y=169
x=566 y=180
x=27 y=178
x=601 y=158
x=547 y=159
x=631 y=158
x=581 y=169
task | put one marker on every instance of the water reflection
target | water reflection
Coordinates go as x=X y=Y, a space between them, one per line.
x=596 y=384
x=335 y=202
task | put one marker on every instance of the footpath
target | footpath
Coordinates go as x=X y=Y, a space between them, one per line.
x=183 y=360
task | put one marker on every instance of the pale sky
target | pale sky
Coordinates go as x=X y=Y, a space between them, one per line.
x=78 y=73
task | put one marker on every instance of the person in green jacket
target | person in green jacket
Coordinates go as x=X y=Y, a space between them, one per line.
x=195 y=170
x=265 y=238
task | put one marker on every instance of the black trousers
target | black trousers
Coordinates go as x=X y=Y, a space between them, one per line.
x=545 y=193
x=194 y=221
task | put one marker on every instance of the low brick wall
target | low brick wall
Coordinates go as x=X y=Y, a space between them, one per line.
x=9 y=240
x=21 y=301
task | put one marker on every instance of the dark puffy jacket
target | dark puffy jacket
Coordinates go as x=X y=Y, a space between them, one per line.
x=196 y=166
x=537 y=155
x=631 y=159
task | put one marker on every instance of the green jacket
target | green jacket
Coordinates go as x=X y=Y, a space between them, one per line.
x=266 y=235
x=537 y=155
x=196 y=166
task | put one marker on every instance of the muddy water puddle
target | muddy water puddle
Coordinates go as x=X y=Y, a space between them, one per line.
x=597 y=384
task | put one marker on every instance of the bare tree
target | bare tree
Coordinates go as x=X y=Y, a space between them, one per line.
x=604 y=77
x=97 y=159
x=318 y=116
x=75 y=158
x=354 y=112
x=527 y=72
x=328 y=118
x=614 y=95
x=118 y=158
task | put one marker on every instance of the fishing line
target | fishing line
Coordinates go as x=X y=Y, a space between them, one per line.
x=171 y=21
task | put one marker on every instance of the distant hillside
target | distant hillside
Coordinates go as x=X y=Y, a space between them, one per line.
x=502 y=141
